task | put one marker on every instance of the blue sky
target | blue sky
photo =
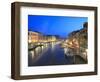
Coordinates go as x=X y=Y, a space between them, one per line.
x=55 y=25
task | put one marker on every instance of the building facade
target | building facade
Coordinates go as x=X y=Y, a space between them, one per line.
x=34 y=37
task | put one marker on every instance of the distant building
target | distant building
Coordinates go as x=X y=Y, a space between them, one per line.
x=51 y=38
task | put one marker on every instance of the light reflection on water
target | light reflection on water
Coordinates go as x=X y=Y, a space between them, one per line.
x=39 y=50
x=32 y=53
x=51 y=48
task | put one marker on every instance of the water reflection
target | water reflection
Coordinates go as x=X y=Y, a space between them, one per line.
x=51 y=54
x=32 y=54
x=53 y=46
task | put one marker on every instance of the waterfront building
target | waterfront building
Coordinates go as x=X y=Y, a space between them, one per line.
x=34 y=37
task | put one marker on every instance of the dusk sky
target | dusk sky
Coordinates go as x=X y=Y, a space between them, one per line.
x=55 y=25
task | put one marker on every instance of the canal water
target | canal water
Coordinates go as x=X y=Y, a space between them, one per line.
x=52 y=54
